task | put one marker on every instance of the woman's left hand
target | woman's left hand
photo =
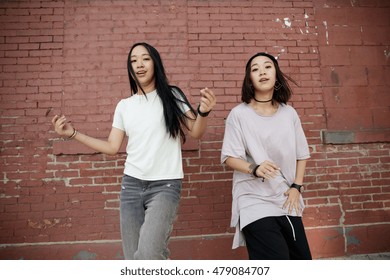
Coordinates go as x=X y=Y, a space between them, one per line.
x=207 y=100
x=292 y=201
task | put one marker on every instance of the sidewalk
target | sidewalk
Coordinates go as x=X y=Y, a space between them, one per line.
x=378 y=256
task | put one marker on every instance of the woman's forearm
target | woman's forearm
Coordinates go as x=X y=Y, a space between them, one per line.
x=239 y=164
x=300 y=172
x=199 y=127
x=109 y=147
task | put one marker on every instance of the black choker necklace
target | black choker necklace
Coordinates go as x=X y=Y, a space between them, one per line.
x=261 y=101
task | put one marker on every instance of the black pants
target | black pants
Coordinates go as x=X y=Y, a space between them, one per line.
x=275 y=238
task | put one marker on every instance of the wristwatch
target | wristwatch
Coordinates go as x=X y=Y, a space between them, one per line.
x=298 y=187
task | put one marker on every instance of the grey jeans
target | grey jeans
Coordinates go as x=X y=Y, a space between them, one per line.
x=147 y=212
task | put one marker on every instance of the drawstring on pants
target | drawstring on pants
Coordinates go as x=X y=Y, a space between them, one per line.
x=292 y=227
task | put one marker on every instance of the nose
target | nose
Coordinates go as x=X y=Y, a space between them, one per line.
x=262 y=71
x=140 y=63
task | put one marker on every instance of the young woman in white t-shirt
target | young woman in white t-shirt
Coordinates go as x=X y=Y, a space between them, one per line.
x=154 y=118
x=265 y=145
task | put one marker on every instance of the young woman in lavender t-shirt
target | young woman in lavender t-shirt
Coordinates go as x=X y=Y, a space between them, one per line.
x=265 y=145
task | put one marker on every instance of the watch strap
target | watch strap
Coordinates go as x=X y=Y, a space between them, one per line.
x=296 y=186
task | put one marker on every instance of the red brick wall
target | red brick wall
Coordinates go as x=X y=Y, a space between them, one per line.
x=59 y=200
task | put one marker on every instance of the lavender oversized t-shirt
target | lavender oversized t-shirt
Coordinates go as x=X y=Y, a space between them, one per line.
x=254 y=138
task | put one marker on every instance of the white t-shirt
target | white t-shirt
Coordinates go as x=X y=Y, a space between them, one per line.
x=151 y=153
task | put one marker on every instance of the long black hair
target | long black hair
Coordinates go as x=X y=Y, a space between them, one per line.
x=282 y=93
x=173 y=115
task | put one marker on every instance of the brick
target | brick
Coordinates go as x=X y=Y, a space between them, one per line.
x=338 y=120
x=371 y=136
x=333 y=56
x=344 y=76
x=376 y=75
x=326 y=243
x=345 y=35
x=367 y=239
x=367 y=55
x=336 y=97
x=365 y=216
x=381 y=118
x=375 y=35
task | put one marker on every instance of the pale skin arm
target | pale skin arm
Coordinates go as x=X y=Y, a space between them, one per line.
x=110 y=146
x=266 y=169
x=197 y=127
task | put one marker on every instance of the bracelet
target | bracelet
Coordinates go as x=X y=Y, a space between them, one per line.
x=296 y=186
x=201 y=113
x=73 y=134
x=254 y=167
x=254 y=171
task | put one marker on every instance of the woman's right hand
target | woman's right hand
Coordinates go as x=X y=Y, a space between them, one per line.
x=61 y=126
x=267 y=170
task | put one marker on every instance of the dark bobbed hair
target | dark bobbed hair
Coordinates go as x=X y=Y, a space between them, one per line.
x=282 y=95
x=173 y=115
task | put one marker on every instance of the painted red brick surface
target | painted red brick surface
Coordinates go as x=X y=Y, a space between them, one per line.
x=59 y=200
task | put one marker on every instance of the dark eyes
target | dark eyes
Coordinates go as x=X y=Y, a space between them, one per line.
x=144 y=59
x=256 y=69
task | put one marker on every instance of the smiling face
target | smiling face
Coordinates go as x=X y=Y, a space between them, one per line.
x=143 y=67
x=262 y=74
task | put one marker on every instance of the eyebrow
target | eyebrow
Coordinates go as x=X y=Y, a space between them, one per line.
x=140 y=55
x=263 y=63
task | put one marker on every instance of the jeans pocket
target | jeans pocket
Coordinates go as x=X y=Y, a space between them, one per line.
x=174 y=185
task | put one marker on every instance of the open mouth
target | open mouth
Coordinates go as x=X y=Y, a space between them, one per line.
x=263 y=80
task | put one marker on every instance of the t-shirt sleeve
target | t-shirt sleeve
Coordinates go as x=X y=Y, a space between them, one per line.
x=183 y=103
x=118 y=116
x=233 y=142
x=302 y=147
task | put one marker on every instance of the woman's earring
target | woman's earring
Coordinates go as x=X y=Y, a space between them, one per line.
x=277 y=85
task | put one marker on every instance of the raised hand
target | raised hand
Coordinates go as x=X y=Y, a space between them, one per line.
x=62 y=126
x=207 y=100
